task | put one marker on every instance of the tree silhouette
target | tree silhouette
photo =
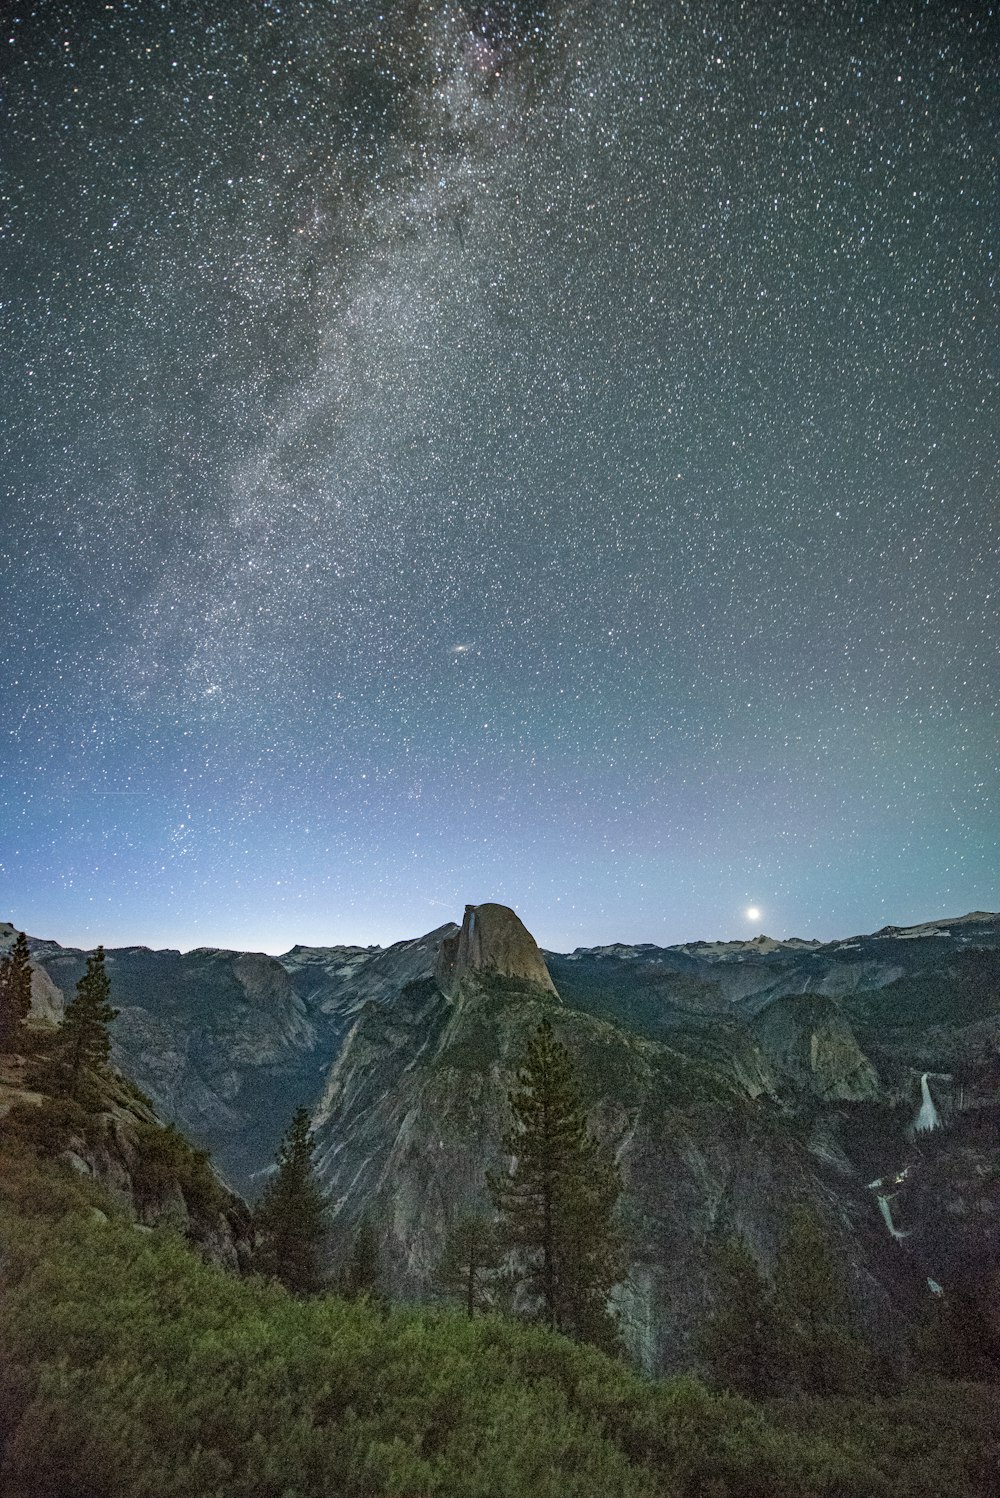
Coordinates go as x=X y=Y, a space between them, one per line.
x=819 y=1353
x=739 y=1337
x=361 y=1276
x=82 y=1047
x=470 y=1259
x=15 y=991
x=557 y=1204
x=291 y=1217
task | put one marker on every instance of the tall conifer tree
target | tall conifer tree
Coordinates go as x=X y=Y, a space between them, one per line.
x=15 y=991
x=469 y=1262
x=361 y=1276
x=820 y=1353
x=557 y=1206
x=83 y=1044
x=739 y=1339
x=291 y=1219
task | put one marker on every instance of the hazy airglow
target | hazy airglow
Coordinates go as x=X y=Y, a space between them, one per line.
x=546 y=463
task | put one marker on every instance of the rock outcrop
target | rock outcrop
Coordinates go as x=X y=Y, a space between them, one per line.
x=720 y=1115
x=417 y=1106
x=493 y=939
x=149 y=1171
x=810 y=1044
x=228 y=1044
x=220 y=1041
x=729 y=1079
x=46 y=1000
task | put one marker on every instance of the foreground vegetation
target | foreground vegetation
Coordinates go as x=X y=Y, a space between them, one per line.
x=134 y=1370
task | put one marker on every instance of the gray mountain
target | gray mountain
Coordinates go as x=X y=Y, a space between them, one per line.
x=492 y=939
x=721 y=1111
x=730 y=1080
x=228 y=1044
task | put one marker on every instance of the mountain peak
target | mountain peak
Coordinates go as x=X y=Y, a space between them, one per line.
x=494 y=939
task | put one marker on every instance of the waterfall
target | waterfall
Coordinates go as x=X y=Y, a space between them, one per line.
x=928 y=1118
x=886 y=1210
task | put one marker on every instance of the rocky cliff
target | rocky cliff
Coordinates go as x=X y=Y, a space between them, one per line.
x=730 y=1080
x=721 y=1114
x=811 y=1046
x=46 y=999
x=149 y=1171
x=417 y=1104
x=227 y=1044
x=492 y=939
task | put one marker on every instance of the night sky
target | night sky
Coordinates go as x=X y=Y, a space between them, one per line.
x=540 y=453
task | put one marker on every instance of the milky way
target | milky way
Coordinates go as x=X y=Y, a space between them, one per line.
x=540 y=453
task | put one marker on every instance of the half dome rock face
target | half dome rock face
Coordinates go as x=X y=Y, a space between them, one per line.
x=492 y=939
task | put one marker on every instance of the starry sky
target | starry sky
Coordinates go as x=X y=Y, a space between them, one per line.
x=532 y=452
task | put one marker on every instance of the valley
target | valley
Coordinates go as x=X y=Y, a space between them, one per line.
x=729 y=1080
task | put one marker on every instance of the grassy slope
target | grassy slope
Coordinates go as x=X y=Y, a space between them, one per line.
x=133 y=1369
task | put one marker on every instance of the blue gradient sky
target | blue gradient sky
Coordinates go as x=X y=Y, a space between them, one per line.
x=532 y=453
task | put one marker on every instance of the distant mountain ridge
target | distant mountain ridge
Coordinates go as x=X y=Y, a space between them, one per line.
x=219 y=1036
x=729 y=1079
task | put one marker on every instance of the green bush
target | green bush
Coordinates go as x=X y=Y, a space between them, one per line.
x=31 y=1186
x=164 y=1158
x=133 y=1370
x=130 y=1091
x=49 y=1127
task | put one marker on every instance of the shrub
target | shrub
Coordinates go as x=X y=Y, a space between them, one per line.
x=132 y=1369
x=50 y=1126
x=164 y=1158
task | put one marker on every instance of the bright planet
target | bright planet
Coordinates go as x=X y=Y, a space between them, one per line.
x=616 y=378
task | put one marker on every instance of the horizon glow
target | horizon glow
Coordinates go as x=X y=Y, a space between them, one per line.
x=560 y=473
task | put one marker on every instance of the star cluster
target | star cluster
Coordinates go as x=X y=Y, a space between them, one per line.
x=529 y=452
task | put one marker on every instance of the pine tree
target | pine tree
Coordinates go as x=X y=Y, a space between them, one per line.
x=361 y=1275
x=83 y=1045
x=817 y=1348
x=557 y=1205
x=291 y=1218
x=470 y=1260
x=15 y=991
x=739 y=1339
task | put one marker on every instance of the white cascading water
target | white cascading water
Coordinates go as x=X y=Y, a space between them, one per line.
x=928 y=1118
x=886 y=1210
